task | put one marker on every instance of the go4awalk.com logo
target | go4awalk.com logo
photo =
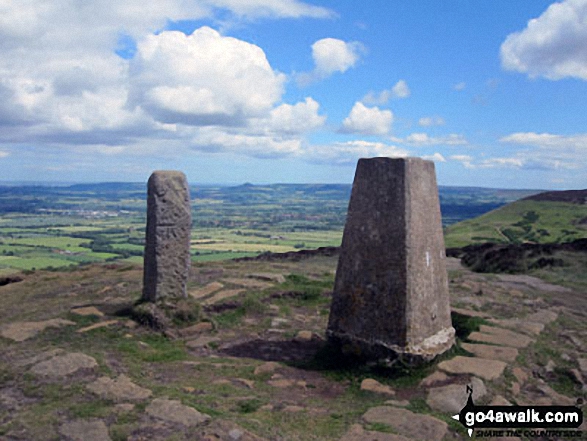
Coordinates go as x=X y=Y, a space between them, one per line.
x=528 y=421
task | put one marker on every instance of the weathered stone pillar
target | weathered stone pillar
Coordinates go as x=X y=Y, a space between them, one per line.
x=167 y=245
x=391 y=289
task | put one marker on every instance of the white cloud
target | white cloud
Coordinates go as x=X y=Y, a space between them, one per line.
x=552 y=45
x=422 y=139
x=549 y=151
x=4 y=154
x=330 y=56
x=297 y=118
x=399 y=90
x=367 y=120
x=71 y=89
x=466 y=160
x=429 y=121
x=436 y=157
x=203 y=78
x=347 y=153
x=272 y=8
x=460 y=86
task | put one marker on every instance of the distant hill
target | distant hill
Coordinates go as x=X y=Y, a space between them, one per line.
x=570 y=196
x=549 y=217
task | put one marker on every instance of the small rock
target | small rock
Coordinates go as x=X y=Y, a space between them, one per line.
x=266 y=407
x=85 y=430
x=357 y=433
x=250 y=384
x=434 y=378
x=278 y=321
x=452 y=398
x=371 y=385
x=130 y=324
x=550 y=366
x=201 y=342
x=188 y=389
x=124 y=407
x=274 y=308
x=87 y=310
x=515 y=389
x=407 y=423
x=119 y=389
x=66 y=364
x=281 y=384
x=582 y=365
x=544 y=316
x=303 y=336
x=175 y=412
x=520 y=375
x=266 y=368
x=498 y=400
x=398 y=403
x=235 y=434
x=196 y=329
x=97 y=326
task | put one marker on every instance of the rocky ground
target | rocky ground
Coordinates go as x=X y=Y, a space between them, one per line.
x=75 y=366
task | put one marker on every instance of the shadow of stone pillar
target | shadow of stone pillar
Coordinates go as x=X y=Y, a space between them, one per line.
x=391 y=289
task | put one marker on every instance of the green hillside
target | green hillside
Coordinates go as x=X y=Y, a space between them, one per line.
x=527 y=220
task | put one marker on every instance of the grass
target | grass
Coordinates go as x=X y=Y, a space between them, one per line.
x=521 y=221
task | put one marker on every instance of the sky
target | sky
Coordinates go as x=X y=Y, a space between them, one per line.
x=292 y=91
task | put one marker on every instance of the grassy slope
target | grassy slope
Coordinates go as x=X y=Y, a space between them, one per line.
x=522 y=221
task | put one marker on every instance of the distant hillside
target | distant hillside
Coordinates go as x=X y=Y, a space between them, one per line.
x=550 y=217
x=570 y=196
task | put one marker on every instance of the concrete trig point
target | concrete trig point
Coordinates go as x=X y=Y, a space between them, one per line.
x=167 y=244
x=391 y=290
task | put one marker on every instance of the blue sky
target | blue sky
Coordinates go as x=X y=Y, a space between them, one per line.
x=262 y=91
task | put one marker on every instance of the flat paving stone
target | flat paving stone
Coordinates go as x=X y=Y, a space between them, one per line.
x=371 y=385
x=97 y=326
x=204 y=291
x=407 y=423
x=63 y=365
x=470 y=312
x=357 y=433
x=222 y=295
x=118 y=389
x=521 y=325
x=450 y=399
x=87 y=310
x=85 y=430
x=500 y=336
x=21 y=331
x=492 y=352
x=544 y=316
x=174 y=412
x=479 y=367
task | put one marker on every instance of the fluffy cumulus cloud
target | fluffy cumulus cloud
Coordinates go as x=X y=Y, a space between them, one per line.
x=552 y=45
x=62 y=83
x=399 y=90
x=203 y=78
x=367 y=120
x=330 y=56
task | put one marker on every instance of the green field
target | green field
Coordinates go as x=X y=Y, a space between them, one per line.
x=522 y=221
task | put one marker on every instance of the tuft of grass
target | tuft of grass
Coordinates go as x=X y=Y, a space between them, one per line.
x=249 y=406
x=464 y=325
x=155 y=349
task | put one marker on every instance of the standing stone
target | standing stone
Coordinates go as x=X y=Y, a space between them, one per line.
x=391 y=288
x=167 y=247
